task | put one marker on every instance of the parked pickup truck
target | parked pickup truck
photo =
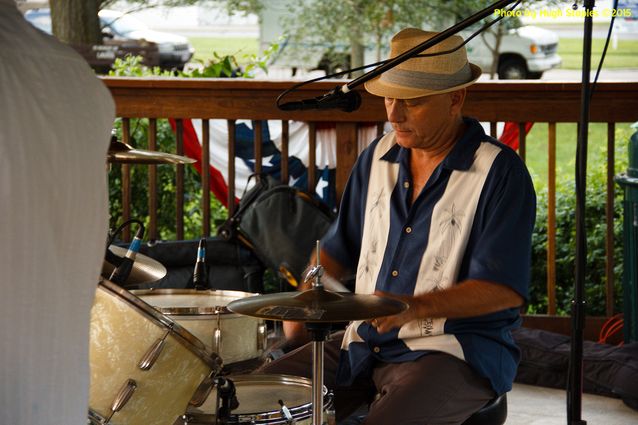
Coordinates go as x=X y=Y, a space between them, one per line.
x=525 y=52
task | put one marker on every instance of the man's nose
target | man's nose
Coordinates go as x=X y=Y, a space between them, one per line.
x=395 y=111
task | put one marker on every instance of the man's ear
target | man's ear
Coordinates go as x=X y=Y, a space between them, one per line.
x=457 y=98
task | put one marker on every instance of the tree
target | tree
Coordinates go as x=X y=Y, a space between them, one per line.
x=349 y=26
x=354 y=24
x=76 y=22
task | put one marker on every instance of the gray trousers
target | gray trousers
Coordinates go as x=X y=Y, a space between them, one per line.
x=436 y=389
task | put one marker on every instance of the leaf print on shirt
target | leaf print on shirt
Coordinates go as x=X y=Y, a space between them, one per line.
x=450 y=227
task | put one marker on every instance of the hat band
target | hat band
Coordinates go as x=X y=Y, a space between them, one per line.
x=426 y=80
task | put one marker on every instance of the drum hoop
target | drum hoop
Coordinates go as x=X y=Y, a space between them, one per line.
x=95 y=418
x=183 y=336
x=270 y=417
x=192 y=311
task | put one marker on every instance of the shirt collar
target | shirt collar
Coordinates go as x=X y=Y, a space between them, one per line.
x=460 y=157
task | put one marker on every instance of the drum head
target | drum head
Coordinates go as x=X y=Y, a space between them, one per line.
x=190 y=301
x=258 y=394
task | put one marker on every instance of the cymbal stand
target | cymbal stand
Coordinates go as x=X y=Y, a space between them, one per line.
x=318 y=333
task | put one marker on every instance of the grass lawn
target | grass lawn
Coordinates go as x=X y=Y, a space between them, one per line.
x=240 y=47
x=566 y=135
x=570 y=50
x=624 y=56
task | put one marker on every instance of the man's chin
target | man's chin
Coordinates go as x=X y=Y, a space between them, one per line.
x=405 y=141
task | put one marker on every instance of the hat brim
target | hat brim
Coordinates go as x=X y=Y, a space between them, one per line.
x=381 y=88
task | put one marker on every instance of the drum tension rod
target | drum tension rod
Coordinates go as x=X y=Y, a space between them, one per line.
x=152 y=354
x=122 y=397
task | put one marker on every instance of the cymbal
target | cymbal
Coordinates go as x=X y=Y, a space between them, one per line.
x=317 y=305
x=145 y=269
x=122 y=153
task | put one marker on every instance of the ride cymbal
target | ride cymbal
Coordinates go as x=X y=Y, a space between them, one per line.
x=145 y=269
x=121 y=153
x=317 y=305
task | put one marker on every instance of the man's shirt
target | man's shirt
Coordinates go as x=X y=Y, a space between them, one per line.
x=472 y=220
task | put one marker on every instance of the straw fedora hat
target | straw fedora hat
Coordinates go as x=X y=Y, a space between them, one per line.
x=424 y=76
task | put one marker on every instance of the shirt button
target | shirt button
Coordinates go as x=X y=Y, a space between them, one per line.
x=406 y=184
x=395 y=273
x=376 y=349
x=408 y=230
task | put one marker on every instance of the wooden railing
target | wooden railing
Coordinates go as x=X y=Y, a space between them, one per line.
x=231 y=99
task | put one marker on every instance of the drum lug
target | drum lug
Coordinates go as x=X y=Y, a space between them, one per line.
x=202 y=392
x=122 y=397
x=150 y=357
x=217 y=340
x=262 y=336
x=217 y=335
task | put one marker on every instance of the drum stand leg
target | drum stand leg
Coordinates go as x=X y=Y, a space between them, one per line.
x=319 y=333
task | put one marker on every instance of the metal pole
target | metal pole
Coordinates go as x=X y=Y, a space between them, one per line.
x=317 y=383
x=575 y=383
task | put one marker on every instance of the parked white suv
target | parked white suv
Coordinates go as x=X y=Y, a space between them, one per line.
x=525 y=52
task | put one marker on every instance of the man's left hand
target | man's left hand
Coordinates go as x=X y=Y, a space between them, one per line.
x=387 y=323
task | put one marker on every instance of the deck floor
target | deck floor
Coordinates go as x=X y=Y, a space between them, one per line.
x=531 y=405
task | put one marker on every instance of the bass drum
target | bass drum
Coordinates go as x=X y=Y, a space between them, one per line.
x=233 y=337
x=259 y=396
x=145 y=368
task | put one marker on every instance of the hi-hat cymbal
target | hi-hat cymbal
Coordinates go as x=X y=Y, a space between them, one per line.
x=145 y=269
x=317 y=305
x=121 y=153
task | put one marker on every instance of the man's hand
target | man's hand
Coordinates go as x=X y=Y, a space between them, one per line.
x=387 y=323
x=470 y=298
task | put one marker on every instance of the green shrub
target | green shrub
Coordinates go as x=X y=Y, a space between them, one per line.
x=595 y=280
x=131 y=66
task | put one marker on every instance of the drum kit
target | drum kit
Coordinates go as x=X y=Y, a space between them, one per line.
x=158 y=356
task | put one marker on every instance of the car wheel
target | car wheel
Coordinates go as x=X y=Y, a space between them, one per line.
x=512 y=69
x=534 y=75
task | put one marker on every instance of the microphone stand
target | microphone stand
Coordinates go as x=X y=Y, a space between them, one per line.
x=575 y=376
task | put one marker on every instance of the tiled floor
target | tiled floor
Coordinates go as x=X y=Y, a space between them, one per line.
x=529 y=405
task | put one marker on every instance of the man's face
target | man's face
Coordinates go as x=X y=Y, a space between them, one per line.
x=425 y=122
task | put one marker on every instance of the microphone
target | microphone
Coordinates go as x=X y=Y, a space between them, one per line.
x=200 y=274
x=339 y=98
x=123 y=270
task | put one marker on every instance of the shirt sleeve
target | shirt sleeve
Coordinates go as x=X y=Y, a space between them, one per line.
x=502 y=232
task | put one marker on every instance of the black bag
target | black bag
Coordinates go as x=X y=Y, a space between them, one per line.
x=280 y=224
x=608 y=370
x=230 y=265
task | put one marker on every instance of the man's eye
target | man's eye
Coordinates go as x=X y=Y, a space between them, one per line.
x=412 y=103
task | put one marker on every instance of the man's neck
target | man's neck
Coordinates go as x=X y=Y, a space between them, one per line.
x=423 y=162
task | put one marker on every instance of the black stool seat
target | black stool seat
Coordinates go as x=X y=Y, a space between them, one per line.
x=494 y=413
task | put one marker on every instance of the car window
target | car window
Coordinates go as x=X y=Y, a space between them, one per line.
x=123 y=24
x=41 y=22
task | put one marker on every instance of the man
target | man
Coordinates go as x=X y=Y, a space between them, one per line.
x=439 y=215
x=55 y=123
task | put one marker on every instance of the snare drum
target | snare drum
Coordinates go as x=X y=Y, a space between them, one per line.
x=145 y=368
x=259 y=396
x=234 y=337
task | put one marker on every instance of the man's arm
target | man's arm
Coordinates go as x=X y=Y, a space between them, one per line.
x=467 y=299
x=295 y=332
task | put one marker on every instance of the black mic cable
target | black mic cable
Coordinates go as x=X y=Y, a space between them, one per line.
x=123 y=270
x=200 y=274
